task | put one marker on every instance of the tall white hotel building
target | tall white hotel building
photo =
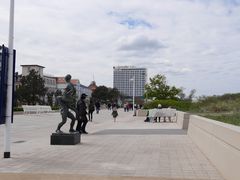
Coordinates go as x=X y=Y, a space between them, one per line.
x=122 y=76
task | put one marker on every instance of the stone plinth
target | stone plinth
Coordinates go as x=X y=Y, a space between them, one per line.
x=65 y=138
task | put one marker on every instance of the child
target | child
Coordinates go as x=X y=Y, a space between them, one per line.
x=114 y=112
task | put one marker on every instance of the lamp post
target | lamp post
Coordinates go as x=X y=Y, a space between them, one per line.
x=7 y=131
x=134 y=110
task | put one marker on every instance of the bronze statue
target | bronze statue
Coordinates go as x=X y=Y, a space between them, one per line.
x=67 y=101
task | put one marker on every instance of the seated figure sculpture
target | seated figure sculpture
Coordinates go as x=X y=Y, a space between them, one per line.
x=67 y=101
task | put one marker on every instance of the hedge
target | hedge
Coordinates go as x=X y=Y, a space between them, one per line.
x=177 y=104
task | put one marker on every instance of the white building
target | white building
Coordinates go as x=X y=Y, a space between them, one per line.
x=61 y=85
x=122 y=76
x=86 y=90
x=53 y=83
x=27 y=68
x=50 y=82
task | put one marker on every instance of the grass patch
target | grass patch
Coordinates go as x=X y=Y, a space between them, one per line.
x=230 y=118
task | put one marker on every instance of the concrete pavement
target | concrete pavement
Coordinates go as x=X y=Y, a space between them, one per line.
x=129 y=148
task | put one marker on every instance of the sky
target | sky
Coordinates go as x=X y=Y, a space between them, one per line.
x=194 y=43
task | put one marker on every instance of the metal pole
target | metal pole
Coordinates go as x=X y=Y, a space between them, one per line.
x=133 y=90
x=134 y=110
x=7 y=131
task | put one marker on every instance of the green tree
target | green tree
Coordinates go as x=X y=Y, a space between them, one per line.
x=101 y=94
x=191 y=95
x=114 y=94
x=158 y=89
x=31 y=89
x=105 y=94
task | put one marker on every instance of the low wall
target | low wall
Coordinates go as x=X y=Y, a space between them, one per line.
x=220 y=142
x=183 y=119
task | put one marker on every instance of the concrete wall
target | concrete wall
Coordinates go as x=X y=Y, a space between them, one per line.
x=183 y=119
x=220 y=142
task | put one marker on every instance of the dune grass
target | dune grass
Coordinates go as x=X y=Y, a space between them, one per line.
x=230 y=118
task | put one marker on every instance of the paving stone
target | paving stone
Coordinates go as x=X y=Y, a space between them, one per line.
x=129 y=147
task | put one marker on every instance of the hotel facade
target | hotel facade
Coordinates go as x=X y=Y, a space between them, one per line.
x=129 y=78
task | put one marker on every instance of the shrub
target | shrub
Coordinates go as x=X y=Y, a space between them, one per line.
x=226 y=118
x=17 y=109
x=55 y=107
x=177 y=104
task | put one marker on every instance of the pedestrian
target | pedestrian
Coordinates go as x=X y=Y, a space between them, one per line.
x=91 y=109
x=97 y=104
x=135 y=107
x=125 y=107
x=82 y=114
x=109 y=106
x=159 y=118
x=114 y=112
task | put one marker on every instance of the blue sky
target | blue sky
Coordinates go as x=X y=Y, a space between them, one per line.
x=194 y=43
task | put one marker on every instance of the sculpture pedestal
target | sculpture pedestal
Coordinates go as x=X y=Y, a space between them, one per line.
x=65 y=138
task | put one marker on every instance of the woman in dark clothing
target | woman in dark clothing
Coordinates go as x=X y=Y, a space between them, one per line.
x=82 y=114
x=97 y=104
x=90 y=110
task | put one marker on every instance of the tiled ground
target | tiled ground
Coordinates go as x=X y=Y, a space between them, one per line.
x=128 y=147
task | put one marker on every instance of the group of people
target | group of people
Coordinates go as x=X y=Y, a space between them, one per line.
x=159 y=117
x=127 y=106
x=68 y=102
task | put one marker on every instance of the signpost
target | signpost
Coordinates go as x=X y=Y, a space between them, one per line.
x=5 y=108
x=3 y=82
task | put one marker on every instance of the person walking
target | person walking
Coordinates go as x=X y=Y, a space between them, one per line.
x=91 y=109
x=82 y=114
x=109 y=106
x=97 y=104
x=114 y=112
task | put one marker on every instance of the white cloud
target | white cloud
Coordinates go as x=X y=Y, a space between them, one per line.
x=194 y=43
x=140 y=43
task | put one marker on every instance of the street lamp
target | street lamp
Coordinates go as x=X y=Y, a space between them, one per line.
x=134 y=110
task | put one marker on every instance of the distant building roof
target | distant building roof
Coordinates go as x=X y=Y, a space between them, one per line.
x=93 y=86
x=61 y=80
x=33 y=65
x=49 y=76
x=75 y=81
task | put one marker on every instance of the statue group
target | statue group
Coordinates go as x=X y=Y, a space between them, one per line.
x=67 y=102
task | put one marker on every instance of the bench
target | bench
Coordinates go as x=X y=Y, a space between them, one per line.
x=153 y=114
x=28 y=109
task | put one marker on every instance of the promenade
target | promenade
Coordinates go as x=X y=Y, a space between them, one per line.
x=127 y=149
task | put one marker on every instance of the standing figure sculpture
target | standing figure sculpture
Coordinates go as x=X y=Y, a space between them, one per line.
x=67 y=101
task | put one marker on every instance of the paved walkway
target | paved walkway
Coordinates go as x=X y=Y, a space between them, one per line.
x=129 y=148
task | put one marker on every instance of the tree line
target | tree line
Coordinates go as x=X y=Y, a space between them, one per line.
x=32 y=91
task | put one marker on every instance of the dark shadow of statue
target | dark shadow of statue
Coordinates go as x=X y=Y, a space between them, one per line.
x=67 y=102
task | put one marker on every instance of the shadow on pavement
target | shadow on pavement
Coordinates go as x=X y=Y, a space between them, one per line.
x=141 y=132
